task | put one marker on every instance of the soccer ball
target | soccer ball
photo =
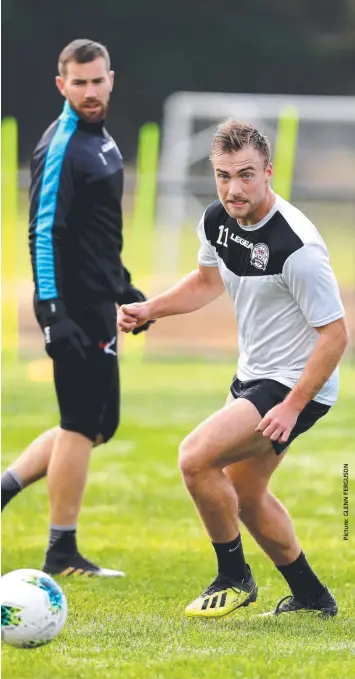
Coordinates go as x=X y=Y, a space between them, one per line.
x=33 y=608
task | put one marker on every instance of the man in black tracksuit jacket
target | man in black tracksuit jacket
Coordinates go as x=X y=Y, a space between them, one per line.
x=75 y=240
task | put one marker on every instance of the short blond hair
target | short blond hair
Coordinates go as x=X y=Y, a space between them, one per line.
x=234 y=135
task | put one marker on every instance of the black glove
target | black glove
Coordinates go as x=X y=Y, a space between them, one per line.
x=62 y=335
x=130 y=296
x=142 y=328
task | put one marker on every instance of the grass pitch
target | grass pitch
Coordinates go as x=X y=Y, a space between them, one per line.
x=138 y=517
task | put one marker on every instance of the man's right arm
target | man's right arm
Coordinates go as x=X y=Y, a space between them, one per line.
x=51 y=194
x=194 y=291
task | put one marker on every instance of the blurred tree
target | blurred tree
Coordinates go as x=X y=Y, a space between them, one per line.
x=283 y=46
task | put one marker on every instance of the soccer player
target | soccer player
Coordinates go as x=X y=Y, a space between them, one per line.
x=275 y=266
x=75 y=240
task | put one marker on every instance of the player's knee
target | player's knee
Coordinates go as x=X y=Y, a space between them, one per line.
x=250 y=489
x=190 y=463
x=250 y=502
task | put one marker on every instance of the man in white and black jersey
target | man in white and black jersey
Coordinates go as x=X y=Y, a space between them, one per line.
x=292 y=334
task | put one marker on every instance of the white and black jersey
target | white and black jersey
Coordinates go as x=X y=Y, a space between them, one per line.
x=279 y=277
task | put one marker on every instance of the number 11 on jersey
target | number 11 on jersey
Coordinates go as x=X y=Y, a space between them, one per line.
x=219 y=240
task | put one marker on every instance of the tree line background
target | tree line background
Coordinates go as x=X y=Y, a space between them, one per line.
x=160 y=47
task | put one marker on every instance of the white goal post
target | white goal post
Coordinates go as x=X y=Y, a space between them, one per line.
x=324 y=163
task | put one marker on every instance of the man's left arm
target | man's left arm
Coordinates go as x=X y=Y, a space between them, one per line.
x=313 y=285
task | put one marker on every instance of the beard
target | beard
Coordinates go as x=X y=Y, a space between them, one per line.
x=92 y=110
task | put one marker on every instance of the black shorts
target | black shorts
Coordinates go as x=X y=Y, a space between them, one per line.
x=88 y=390
x=265 y=394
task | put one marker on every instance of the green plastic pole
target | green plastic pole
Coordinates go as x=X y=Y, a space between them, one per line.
x=285 y=151
x=9 y=189
x=146 y=188
x=142 y=236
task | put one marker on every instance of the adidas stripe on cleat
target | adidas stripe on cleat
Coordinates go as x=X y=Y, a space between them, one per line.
x=222 y=597
x=72 y=565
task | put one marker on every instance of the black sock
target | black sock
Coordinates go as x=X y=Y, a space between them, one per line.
x=62 y=539
x=302 y=581
x=231 y=562
x=11 y=484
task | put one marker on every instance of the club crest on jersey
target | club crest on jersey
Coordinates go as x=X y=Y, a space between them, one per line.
x=259 y=256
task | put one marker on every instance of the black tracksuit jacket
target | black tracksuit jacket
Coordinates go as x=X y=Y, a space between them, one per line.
x=75 y=231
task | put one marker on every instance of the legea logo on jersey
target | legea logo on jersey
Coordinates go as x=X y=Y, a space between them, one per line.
x=259 y=256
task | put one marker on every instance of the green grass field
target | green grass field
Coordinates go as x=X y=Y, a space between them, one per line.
x=140 y=258
x=137 y=516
